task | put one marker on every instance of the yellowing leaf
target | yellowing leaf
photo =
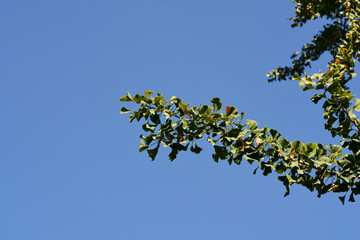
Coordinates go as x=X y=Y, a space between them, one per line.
x=228 y=110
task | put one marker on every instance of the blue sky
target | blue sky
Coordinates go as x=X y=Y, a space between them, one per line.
x=70 y=166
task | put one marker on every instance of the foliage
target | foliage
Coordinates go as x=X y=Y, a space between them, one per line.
x=325 y=169
x=328 y=39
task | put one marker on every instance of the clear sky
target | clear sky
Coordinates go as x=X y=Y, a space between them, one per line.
x=69 y=162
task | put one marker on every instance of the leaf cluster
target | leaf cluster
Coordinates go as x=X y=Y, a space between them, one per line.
x=324 y=169
x=327 y=40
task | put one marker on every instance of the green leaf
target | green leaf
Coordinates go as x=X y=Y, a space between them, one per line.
x=143 y=146
x=336 y=151
x=297 y=146
x=283 y=143
x=173 y=153
x=280 y=168
x=152 y=153
x=342 y=199
x=195 y=149
x=357 y=104
x=296 y=77
x=124 y=110
x=211 y=141
x=216 y=103
x=306 y=81
x=148 y=93
x=126 y=98
x=310 y=148
x=157 y=99
x=222 y=152
x=255 y=156
x=215 y=157
x=166 y=114
x=252 y=124
x=323 y=160
x=205 y=110
x=175 y=148
x=348 y=178
x=148 y=139
x=155 y=118
x=352 y=75
x=351 y=198
x=238 y=158
x=138 y=98
x=275 y=133
x=185 y=124
x=308 y=87
x=174 y=99
x=267 y=171
x=132 y=117
x=149 y=127
x=316 y=98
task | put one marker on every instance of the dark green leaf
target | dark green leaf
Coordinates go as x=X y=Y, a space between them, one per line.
x=206 y=110
x=342 y=199
x=233 y=112
x=267 y=170
x=195 y=149
x=138 y=98
x=124 y=110
x=155 y=118
x=351 y=198
x=149 y=127
x=152 y=153
x=222 y=152
x=216 y=103
x=215 y=157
